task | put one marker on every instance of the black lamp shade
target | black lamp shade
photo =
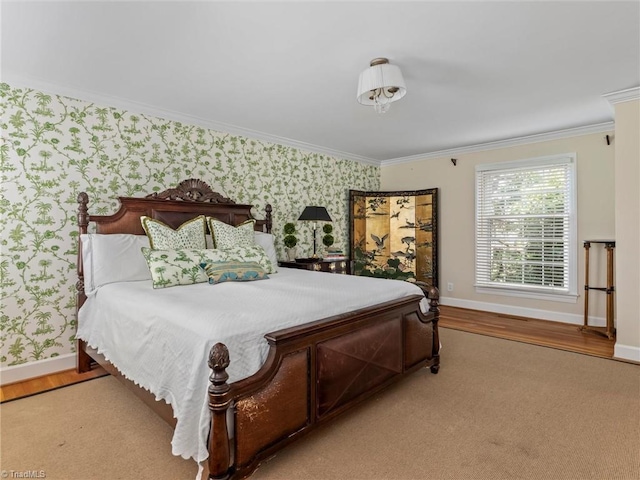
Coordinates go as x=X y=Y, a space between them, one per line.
x=315 y=214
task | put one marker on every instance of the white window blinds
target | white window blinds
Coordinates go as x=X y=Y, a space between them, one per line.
x=525 y=225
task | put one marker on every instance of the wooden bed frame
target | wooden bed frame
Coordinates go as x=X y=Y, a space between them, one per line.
x=313 y=372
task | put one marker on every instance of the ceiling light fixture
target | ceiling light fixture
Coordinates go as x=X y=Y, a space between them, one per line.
x=381 y=84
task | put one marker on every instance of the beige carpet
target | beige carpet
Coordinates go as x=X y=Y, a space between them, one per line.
x=497 y=410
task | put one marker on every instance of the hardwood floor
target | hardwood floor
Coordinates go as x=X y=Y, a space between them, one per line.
x=46 y=383
x=563 y=336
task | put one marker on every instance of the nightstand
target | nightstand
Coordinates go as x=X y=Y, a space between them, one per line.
x=320 y=265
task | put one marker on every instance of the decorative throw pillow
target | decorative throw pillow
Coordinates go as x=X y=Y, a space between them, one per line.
x=226 y=236
x=219 y=272
x=191 y=234
x=170 y=268
x=251 y=253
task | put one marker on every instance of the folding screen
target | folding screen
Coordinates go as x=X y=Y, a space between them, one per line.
x=394 y=234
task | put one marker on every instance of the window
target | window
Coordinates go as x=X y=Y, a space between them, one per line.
x=526 y=228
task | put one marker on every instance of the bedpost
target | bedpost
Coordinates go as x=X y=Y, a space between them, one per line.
x=83 y=361
x=219 y=402
x=434 y=295
x=268 y=219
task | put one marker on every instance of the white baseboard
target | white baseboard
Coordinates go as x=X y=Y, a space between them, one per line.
x=621 y=352
x=523 y=312
x=25 y=371
x=626 y=352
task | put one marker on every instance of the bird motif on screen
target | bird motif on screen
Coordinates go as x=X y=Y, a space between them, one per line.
x=379 y=241
x=408 y=241
x=403 y=202
x=409 y=255
x=408 y=224
x=425 y=225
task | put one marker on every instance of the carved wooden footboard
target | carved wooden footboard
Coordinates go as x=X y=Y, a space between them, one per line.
x=312 y=374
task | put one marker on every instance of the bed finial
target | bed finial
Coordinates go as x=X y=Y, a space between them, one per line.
x=218 y=362
x=434 y=296
x=83 y=211
x=268 y=219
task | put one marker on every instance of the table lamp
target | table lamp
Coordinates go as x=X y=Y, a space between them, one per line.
x=315 y=214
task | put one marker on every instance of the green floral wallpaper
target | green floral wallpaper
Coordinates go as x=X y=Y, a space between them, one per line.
x=54 y=147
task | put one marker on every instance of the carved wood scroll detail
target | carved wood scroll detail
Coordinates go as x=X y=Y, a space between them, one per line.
x=191 y=190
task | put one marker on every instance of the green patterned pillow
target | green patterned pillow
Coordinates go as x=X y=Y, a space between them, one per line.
x=219 y=272
x=251 y=253
x=170 y=268
x=227 y=236
x=191 y=234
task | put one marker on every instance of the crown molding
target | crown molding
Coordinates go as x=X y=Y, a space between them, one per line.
x=620 y=96
x=143 y=108
x=510 y=142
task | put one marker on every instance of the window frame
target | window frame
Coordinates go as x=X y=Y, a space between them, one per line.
x=485 y=286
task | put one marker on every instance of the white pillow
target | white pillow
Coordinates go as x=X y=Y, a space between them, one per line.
x=113 y=258
x=265 y=240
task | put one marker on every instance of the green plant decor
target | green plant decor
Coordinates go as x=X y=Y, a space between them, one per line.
x=290 y=240
x=328 y=239
x=289 y=228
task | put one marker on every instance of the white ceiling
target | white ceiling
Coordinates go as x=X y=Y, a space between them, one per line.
x=476 y=72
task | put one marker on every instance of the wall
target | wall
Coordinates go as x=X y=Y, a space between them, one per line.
x=595 y=177
x=54 y=147
x=627 y=159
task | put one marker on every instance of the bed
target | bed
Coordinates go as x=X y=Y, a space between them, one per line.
x=312 y=371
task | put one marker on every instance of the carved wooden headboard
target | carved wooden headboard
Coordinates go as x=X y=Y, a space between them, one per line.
x=173 y=207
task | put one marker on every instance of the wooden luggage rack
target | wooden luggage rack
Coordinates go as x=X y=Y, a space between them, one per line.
x=608 y=331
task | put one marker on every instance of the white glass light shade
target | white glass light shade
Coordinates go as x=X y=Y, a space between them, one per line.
x=383 y=82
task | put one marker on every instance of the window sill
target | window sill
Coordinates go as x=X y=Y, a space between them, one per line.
x=550 y=297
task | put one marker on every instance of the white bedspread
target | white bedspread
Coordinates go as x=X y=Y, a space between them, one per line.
x=161 y=339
